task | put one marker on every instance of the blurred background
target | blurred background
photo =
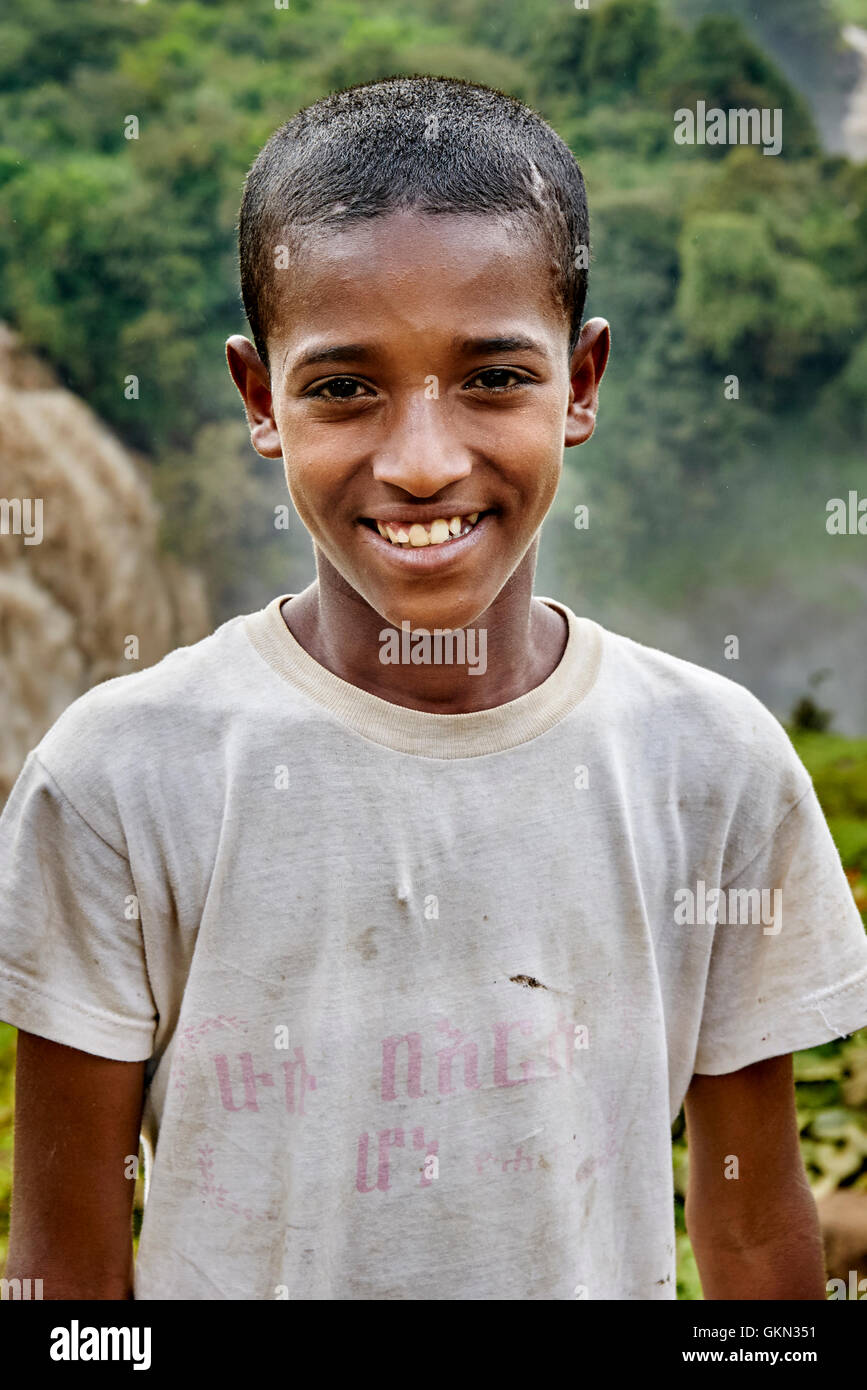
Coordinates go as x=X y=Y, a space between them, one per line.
x=734 y=409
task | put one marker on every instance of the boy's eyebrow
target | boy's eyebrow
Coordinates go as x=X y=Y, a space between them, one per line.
x=516 y=343
x=469 y=347
x=332 y=354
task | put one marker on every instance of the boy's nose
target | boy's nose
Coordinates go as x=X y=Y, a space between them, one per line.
x=421 y=454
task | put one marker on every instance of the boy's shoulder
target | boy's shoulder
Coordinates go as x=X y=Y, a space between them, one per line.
x=680 y=712
x=170 y=707
x=187 y=671
x=659 y=676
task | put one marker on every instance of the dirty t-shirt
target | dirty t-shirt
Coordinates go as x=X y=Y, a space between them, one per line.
x=420 y=994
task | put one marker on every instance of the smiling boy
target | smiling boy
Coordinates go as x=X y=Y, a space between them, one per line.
x=394 y=952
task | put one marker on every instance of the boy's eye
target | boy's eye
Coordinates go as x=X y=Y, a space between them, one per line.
x=497 y=379
x=349 y=388
x=338 y=388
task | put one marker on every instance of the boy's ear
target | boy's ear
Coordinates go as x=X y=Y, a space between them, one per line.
x=250 y=375
x=586 y=368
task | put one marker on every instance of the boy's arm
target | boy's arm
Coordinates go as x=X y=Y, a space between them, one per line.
x=77 y=1120
x=756 y=1235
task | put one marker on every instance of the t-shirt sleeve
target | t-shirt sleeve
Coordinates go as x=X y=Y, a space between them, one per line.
x=788 y=966
x=72 y=961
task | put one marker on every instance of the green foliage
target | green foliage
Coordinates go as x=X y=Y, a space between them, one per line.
x=635 y=269
x=729 y=276
x=44 y=42
x=842 y=787
x=625 y=42
x=804 y=39
x=719 y=64
x=844 y=402
x=839 y=770
x=743 y=297
x=807 y=715
x=831 y=1090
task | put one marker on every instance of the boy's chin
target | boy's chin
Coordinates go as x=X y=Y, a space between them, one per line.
x=419 y=611
x=434 y=604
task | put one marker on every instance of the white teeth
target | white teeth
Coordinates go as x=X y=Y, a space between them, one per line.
x=437 y=533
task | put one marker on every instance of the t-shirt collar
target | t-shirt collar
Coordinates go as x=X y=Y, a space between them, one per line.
x=419 y=732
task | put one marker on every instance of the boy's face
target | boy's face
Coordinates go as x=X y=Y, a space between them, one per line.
x=420 y=372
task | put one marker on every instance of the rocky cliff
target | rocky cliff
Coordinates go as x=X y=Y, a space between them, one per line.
x=81 y=571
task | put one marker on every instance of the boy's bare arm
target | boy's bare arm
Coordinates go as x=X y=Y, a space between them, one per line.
x=756 y=1235
x=76 y=1124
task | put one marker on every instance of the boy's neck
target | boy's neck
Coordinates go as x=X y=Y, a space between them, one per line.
x=525 y=640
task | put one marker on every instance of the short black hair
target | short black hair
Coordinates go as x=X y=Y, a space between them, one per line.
x=430 y=144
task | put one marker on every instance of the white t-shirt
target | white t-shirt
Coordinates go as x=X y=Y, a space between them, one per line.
x=421 y=994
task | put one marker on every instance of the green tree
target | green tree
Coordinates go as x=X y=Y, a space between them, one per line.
x=721 y=66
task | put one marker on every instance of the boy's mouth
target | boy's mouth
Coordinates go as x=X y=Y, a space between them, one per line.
x=409 y=535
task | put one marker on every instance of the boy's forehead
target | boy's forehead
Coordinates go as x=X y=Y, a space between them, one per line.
x=405 y=271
